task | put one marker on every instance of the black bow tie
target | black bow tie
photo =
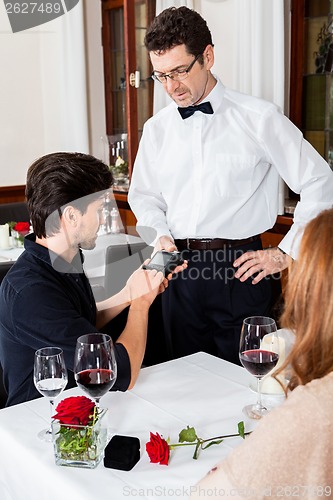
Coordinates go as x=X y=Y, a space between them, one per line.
x=204 y=107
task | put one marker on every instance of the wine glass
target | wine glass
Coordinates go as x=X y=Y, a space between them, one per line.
x=258 y=353
x=50 y=378
x=95 y=366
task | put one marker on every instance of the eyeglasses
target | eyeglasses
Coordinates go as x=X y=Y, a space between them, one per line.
x=178 y=75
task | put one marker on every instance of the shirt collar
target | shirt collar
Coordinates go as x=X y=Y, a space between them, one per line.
x=53 y=259
x=215 y=96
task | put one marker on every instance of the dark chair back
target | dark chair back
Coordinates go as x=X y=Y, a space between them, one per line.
x=17 y=212
x=12 y=212
x=3 y=393
x=4 y=268
x=120 y=262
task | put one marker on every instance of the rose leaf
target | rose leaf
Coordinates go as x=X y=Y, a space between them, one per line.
x=189 y=435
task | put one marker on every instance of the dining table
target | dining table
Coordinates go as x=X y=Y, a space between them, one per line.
x=199 y=390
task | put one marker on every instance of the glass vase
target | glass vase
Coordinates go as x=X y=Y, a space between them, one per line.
x=18 y=238
x=79 y=445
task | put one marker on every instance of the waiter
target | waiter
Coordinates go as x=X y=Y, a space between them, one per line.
x=205 y=180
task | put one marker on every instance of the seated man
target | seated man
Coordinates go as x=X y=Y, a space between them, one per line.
x=46 y=299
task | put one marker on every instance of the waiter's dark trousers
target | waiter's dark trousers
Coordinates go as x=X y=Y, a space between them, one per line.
x=203 y=307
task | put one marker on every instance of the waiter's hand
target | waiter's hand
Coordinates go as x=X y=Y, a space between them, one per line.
x=165 y=243
x=263 y=262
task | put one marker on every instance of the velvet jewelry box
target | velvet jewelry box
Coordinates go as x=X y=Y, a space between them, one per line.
x=122 y=452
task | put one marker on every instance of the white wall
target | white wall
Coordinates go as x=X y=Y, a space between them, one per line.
x=221 y=20
x=21 y=124
x=43 y=104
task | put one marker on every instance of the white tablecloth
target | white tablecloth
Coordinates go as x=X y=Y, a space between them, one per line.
x=10 y=254
x=198 y=390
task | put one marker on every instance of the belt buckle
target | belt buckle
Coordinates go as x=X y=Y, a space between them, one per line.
x=207 y=242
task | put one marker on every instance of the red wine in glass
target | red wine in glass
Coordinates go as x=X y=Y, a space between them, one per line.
x=96 y=382
x=259 y=354
x=259 y=362
x=95 y=366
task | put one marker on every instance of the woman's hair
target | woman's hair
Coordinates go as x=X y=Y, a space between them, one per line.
x=180 y=26
x=309 y=303
x=57 y=179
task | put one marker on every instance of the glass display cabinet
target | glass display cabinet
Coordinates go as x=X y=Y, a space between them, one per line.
x=311 y=86
x=128 y=86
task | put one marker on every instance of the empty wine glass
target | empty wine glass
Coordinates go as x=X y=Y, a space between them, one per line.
x=50 y=378
x=95 y=366
x=258 y=353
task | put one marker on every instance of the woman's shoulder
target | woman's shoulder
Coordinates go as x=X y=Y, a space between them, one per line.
x=319 y=391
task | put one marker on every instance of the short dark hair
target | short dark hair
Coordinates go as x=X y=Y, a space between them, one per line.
x=178 y=26
x=57 y=179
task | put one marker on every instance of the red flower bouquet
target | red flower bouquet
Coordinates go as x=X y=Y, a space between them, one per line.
x=76 y=410
x=22 y=227
x=78 y=438
x=18 y=231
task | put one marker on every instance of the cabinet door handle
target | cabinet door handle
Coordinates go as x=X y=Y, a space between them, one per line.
x=135 y=79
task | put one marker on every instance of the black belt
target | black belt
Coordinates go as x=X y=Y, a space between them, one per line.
x=212 y=244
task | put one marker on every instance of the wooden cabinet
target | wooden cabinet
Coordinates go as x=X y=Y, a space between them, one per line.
x=128 y=85
x=127 y=217
x=273 y=237
x=127 y=70
x=11 y=194
x=311 y=84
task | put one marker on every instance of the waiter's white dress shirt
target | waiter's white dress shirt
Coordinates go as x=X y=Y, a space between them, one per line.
x=216 y=176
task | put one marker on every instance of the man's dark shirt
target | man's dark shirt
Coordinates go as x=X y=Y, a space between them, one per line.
x=44 y=304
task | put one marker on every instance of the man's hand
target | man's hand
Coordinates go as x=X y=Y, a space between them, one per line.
x=145 y=285
x=263 y=262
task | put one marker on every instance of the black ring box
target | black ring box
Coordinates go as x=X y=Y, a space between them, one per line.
x=122 y=452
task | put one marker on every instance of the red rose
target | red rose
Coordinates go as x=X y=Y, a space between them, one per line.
x=22 y=227
x=76 y=410
x=158 y=449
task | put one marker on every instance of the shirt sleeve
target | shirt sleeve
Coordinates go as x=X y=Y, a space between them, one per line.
x=144 y=194
x=123 y=368
x=302 y=168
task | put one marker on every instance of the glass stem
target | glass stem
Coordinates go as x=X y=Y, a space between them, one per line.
x=259 y=402
x=52 y=411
